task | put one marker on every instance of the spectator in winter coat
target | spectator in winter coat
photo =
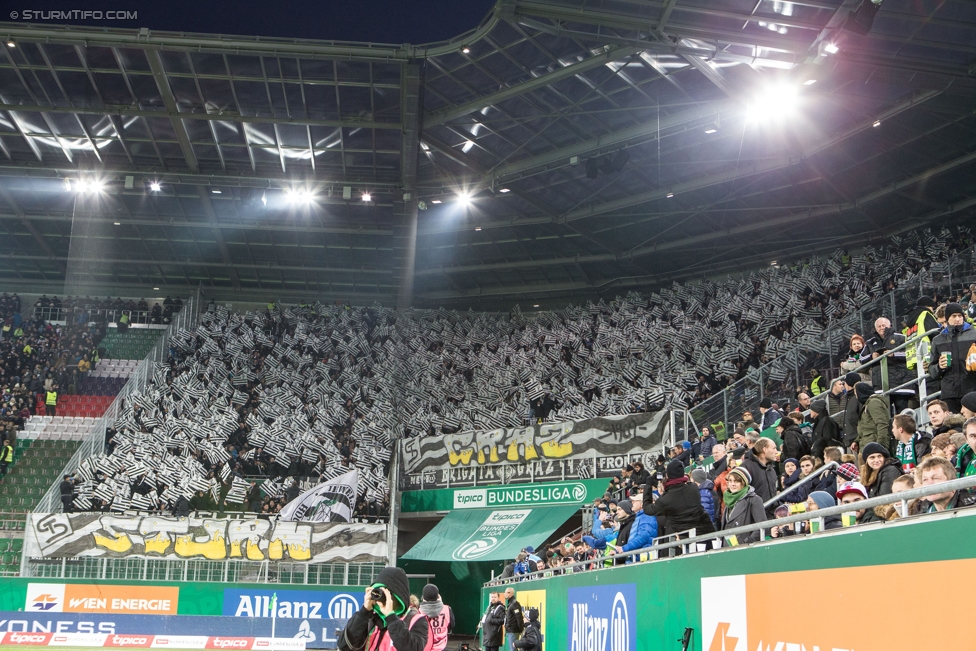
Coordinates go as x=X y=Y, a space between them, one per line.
x=794 y=445
x=514 y=619
x=852 y=492
x=769 y=415
x=913 y=445
x=826 y=433
x=626 y=519
x=879 y=471
x=532 y=638
x=968 y=405
x=938 y=412
x=875 y=418
x=642 y=535
x=600 y=530
x=761 y=464
x=936 y=470
x=680 y=503
x=640 y=475
x=818 y=500
x=708 y=441
x=792 y=475
x=954 y=341
x=966 y=457
x=742 y=506
x=856 y=355
x=706 y=489
x=852 y=410
x=836 y=401
x=720 y=469
x=492 y=623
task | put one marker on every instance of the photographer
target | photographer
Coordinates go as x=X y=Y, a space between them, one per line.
x=384 y=622
x=532 y=639
x=439 y=615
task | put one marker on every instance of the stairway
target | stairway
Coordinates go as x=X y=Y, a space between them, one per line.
x=34 y=471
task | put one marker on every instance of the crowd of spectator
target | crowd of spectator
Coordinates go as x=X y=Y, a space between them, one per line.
x=78 y=309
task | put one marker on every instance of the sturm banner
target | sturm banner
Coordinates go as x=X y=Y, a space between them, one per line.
x=568 y=450
x=57 y=535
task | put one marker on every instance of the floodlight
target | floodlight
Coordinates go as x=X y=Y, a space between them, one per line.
x=215 y=191
x=435 y=201
x=477 y=228
x=504 y=190
x=670 y=195
x=118 y=223
x=367 y=197
x=264 y=198
x=464 y=199
x=711 y=130
x=466 y=50
x=11 y=44
x=155 y=289
x=155 y=186
x=831 y=48
x=809 y=82
x=773 y=102
x=877 y=123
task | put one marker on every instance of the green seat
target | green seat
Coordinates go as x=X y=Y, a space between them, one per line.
x=17 y=545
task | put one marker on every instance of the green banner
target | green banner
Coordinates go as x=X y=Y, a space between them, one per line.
x=486 y=534
x=578 y=492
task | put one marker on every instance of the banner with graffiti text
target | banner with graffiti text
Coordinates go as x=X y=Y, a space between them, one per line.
x=582 y=449
x=57 y=535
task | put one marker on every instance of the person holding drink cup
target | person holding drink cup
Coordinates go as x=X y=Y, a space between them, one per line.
x=953 y=360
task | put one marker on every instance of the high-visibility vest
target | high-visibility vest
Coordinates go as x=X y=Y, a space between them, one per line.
x=437 y=633
x=379 y=638
x=124 y=318
x=8 y=454
x=911 y=350
x=52 y=398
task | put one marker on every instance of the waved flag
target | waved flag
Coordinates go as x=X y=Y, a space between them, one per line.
x=333 y=501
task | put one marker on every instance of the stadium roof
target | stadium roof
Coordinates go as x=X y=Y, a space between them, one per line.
x=265 y=149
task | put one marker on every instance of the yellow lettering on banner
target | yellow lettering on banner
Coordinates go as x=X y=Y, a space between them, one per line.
x=275 y=550
x=481 y=457
x=554 y=450
x=464 y=458
x=158 y=544
x=214 y=549
x=119 y=545
x=299 y=552
x=254 y=552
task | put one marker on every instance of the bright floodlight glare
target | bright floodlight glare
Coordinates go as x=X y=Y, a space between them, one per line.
x=830 y=48
x=436 y=201
x=712 y=130
x=464 y=199
x=118 y=223
x=877 y=123
x=477 y=228
x=504 y=190
x=215 y=191
x=670 y=194
x=466 y=50
x=367 y=196
x=155 y=289
x=773 y=103
x=155 y=186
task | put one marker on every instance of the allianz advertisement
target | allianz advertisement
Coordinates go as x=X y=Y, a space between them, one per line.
x=602 y=618
x=515 y=495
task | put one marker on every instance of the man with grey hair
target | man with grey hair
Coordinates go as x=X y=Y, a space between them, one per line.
x=886 y=338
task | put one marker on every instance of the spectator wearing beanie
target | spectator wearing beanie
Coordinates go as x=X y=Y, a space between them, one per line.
x=955 y=340
x=742 y=505
x=794 y=445
x=680 y=504
x=818 y=500
x=642 y=533
x=852 y=409
x=532 y=638
x=879 y=469
x=769 y=415
x=625 y=518
x=846 y=472
x=968 y=405
x=374 y=621
x=826 y=434
x=875 y=418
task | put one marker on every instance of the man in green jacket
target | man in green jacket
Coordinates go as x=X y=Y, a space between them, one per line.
x=875 y=421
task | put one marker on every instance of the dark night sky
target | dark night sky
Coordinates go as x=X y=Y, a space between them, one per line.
x=379 y=21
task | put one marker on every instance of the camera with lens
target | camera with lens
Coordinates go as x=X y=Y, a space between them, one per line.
x=377 y=596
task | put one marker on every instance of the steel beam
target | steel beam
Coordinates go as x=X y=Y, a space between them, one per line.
x=405 y=206
x=169 y=100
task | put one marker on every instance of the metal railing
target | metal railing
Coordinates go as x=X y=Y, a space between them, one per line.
x=803 y=482
x=789 y=372
x=157 y=569
x=102 y=315
x=94 y=442
x=706 y=543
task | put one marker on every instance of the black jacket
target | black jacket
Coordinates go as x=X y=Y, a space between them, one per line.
x=681 y=505
x=794 y=444
x=355 y=637
x=532 y=638
x=514 y=621
x=623 y=534
x=491 y=632
x=763 y=476
x=890 y=471
x=826 y=434
x=956 y=380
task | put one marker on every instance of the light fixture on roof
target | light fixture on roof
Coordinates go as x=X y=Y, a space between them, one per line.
x=477 y=228
x=118 y=223
x=82 y=185
x=773 y=102
x=298 y=195
x=11 y=44
x=772 y=264
x=367 y=197
x=155 y=186
x=504 y=190
x=809 y=82
x=711 y=130
x=536 y=305
x=877 y=123
x=464 y=199
x=466 y=50
x=155 y=289
x=435 y=201
x=670 y=195
x=831 y=48
x=264 y=198
x=215 y=191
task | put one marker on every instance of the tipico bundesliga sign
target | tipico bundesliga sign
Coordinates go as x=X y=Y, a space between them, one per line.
x=513 y=495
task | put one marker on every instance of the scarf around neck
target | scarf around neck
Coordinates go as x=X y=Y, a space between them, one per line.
x=732 y=498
